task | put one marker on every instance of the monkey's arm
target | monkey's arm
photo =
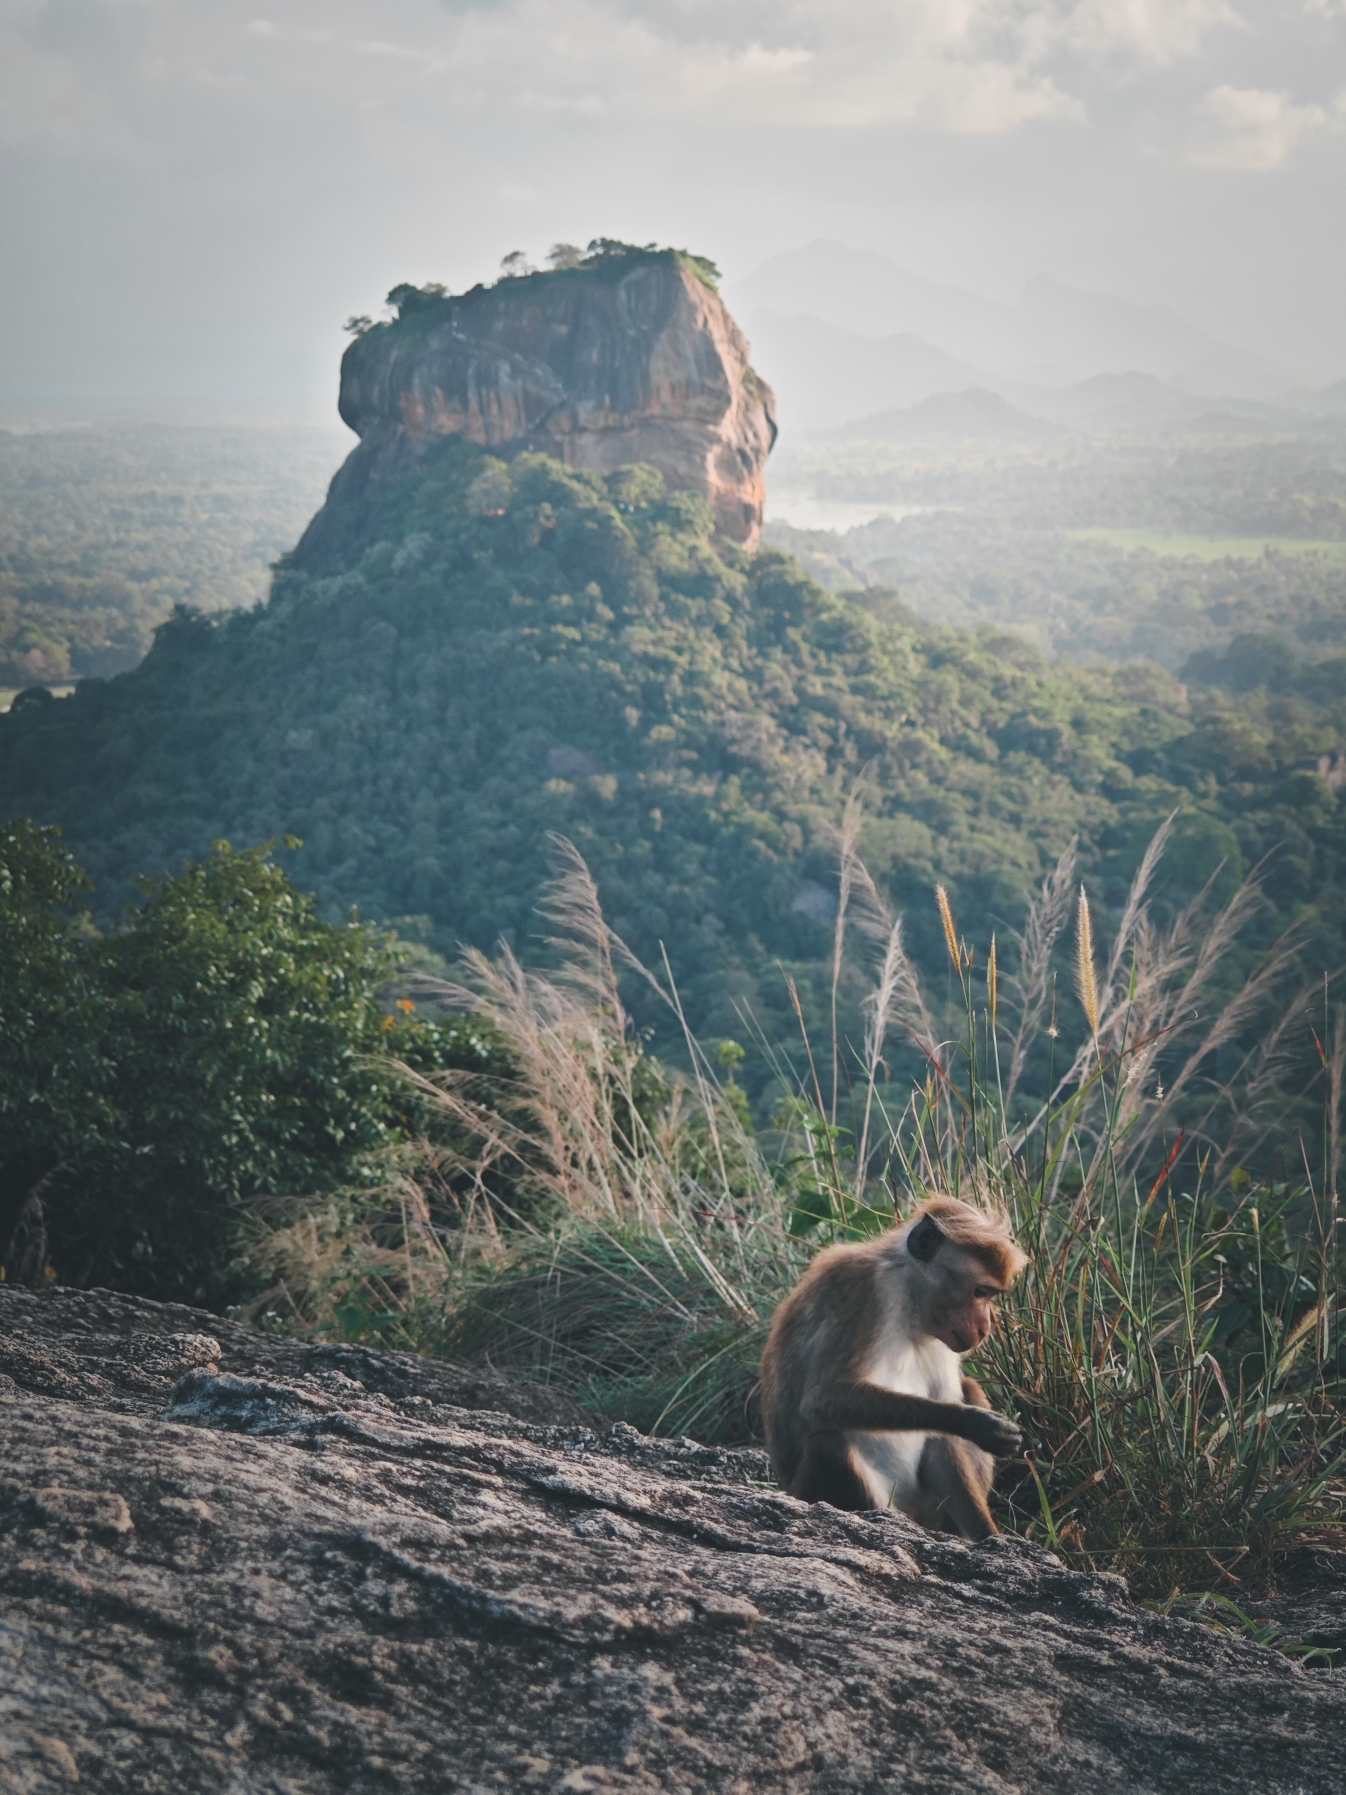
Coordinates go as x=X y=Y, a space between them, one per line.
x=865 y=1408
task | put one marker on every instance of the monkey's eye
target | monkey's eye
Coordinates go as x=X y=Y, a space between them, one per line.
x=984 y=1291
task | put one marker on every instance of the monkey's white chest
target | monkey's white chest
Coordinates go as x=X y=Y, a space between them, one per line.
x=889 y=1463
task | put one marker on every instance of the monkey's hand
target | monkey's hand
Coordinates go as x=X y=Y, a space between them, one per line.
x=994 y=1433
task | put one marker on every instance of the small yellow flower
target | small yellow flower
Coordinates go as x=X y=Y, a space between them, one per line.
x=405 y=1005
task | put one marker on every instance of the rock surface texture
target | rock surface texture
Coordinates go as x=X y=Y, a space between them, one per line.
x=598 y=367
x=234 y=1564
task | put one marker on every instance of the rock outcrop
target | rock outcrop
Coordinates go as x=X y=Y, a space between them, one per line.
x=235 y=1564
x=630 y=358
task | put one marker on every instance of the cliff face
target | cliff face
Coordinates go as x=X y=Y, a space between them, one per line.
x=600 y=366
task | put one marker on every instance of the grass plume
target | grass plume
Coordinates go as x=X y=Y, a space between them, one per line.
x=1086 y=980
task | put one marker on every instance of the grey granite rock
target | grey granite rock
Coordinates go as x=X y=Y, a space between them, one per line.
x=99 y=1343
x=242 y=1573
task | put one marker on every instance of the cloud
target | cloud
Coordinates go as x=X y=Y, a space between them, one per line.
x=774 y=61
x=958 y=66
x=1159 y=32
x=268 y=28
x=944 y=66
x=938 y=67
x=1253 y=128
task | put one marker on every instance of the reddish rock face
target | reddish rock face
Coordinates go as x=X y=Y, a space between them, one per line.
x=599 y=367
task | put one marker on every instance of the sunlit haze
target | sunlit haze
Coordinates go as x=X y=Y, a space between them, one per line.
x=196 y=195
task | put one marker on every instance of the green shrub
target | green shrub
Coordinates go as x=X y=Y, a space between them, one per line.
x=223 y=1042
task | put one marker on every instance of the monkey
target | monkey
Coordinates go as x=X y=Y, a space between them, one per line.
x=863 y=1398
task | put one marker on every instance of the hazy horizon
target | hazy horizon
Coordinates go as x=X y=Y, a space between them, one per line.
x=195 y=196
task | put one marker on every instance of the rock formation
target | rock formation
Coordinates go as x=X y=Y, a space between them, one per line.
x=232 y=1563
x=629 y=358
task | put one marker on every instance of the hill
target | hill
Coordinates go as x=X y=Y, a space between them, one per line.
x=975 y=415
x=511 y=651
x=825 y=376
x=1051 y=333
x=610 y=357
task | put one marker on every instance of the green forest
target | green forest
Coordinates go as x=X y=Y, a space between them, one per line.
x=104 y=530
x=507 y=654
x=1090 y=595
x=1143 y=549
x=1236 y=479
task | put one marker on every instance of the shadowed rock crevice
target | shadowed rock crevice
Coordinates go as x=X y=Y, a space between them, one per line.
x=232 y=1563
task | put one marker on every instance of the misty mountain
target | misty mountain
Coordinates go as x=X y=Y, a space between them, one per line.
x=1328 y=401
x=824 y=376
x=1141 y=405
x=1114 y=402
x=1052 y=334
x=976 y=414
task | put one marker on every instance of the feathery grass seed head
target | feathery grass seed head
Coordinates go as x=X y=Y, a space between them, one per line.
x=1086 y=982
x=950 y=933
x=992 y=982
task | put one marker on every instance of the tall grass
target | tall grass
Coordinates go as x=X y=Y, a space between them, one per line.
x=1173 y=1351
x=591 y=1224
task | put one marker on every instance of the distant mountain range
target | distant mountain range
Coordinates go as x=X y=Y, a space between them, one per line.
x=824 y=376
x=975 y=413
x=1108 y=404
x=846 y=334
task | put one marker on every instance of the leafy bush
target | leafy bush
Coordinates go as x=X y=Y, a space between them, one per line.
x=223 y=1041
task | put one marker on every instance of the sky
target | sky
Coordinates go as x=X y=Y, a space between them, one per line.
x=195 y=194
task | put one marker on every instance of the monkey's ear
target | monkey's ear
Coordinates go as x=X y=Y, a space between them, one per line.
x=923 y=1241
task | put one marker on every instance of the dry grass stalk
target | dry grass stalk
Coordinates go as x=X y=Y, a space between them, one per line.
x=1133 y=913
x=846 y=841
x=1086 y=982
x=1046 y=920
x=895 y=1001
x=992 y=983
x=950 y=933
x=1336 y=1080
x=1156 y=1017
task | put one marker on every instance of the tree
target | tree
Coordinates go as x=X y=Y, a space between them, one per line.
x=54 y=1076
x=406 y=299
x=225 y=1042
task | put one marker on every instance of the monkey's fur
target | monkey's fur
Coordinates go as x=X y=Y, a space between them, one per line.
x=863 y=1396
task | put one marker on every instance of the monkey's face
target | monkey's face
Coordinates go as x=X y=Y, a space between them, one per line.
x=961 y=1312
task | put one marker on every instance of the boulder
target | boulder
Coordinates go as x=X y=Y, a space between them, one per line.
x=632 y=358
x=236 y=1564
